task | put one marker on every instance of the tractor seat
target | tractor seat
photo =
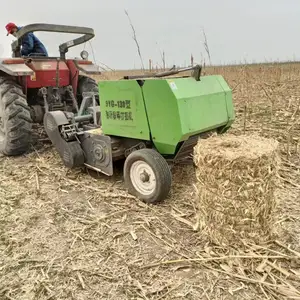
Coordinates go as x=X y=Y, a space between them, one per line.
x=36 y=54
x=39 y=56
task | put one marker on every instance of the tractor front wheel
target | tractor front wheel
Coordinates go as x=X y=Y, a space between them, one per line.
x=147 y=175
x=15 y=120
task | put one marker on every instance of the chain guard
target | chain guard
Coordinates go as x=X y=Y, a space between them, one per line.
x=70 y=152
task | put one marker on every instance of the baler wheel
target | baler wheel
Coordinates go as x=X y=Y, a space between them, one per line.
x=15 y=119
x=147 y=176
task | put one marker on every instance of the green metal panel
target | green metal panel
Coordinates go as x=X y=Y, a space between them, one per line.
x=171 y=109
x=229 y=102
x=123 y=110
x=180 y=107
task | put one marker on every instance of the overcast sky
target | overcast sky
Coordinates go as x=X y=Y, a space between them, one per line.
x=237 y=30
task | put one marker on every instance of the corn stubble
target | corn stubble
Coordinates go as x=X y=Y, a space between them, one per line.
x=67 y=235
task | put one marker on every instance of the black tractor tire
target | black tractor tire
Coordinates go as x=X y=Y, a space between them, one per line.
x=15 y=119
x=138 y=180
x=87 y=84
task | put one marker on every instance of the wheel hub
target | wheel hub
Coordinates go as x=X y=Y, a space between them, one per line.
x=143 y=178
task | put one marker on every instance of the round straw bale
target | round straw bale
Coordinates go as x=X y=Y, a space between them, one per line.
x=236 y=176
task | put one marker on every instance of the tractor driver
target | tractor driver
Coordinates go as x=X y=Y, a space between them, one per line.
x=30 y=43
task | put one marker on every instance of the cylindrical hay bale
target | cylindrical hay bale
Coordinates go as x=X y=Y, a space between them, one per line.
x=236 y=179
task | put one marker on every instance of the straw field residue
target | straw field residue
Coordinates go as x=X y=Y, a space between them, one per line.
x=69 y=235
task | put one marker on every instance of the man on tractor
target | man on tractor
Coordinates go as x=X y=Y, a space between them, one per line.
x=31 y=45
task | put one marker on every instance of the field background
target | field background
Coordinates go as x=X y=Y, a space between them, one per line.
x=72 y=235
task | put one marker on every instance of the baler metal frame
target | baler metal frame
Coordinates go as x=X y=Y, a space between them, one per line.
x=196 y=73
x=97 y=139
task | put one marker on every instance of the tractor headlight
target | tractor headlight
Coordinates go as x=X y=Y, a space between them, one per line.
x=84 y=55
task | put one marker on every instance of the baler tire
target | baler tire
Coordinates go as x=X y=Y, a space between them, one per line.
x=15 y=119
x=160 y=170
x=87 y=84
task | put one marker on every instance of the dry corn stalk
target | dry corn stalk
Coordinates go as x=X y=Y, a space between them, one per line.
x=237 y=176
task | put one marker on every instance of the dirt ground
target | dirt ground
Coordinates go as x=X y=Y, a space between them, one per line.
x=73 y=235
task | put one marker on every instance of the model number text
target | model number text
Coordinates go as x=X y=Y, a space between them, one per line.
x=119 y=104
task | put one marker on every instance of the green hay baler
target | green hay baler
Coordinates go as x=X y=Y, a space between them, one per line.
x=152 y=122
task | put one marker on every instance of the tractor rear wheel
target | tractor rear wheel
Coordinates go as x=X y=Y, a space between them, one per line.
x=15 y=119
x=87 y=84
x=147 y=175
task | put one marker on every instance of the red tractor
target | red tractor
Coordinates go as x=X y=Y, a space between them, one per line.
x=31 y=86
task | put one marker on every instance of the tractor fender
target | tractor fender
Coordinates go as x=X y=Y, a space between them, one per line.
x=87 y=67
x=15 y=67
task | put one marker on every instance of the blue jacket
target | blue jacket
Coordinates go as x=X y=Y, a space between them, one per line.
x=31 y=44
